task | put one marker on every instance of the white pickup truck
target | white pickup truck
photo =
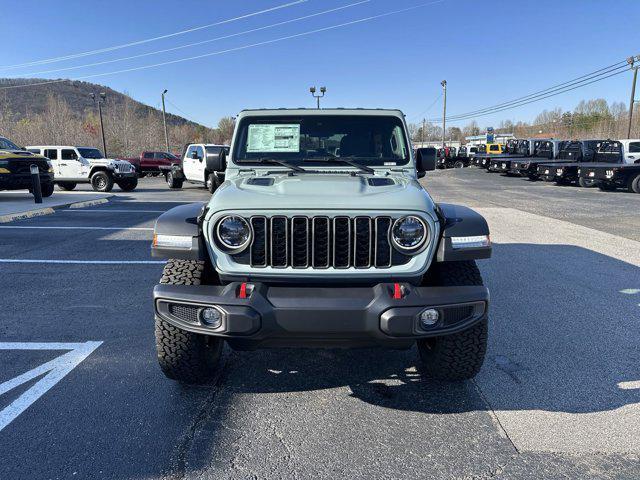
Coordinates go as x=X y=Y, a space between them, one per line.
x=202 y=164
x=73 y=165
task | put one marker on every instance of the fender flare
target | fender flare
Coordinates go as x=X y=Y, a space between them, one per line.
x=459 y=221
x=177 y=233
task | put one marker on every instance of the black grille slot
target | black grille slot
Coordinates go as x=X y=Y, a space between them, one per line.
x=382 y=245
x=187 y=313
x=362 y=242
x=279 y=240
x=341 y=242
x=259 y=245
x=454 y=315
x=321 y=242
x=299 y=242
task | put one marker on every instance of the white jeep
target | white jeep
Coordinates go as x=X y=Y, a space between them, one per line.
x=73 y=165
x=202 y=164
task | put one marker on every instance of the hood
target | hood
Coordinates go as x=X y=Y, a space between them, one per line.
x=19 y=155
x=321 y=192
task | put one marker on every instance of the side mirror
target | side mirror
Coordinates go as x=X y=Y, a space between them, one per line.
x=425 y=160
x=194 y=155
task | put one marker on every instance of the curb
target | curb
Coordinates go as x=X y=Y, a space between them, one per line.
x=88 y=203
x=10 y=217
x=30 y=214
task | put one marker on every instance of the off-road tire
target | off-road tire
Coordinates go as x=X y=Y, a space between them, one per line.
x=586 y=183
x=606 y=187
x=458 y=164
x=128 y=185
x=212 y=183
x=67 y=185
x=458 y=356
x=184 y=356
x=101 y=181
x=173 y=182
x=534 y=177
x=634 y=184
x=46 y=190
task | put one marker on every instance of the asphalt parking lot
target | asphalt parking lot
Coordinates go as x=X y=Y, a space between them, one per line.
x=81 y=395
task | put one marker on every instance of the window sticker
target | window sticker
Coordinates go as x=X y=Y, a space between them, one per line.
x=274 y=138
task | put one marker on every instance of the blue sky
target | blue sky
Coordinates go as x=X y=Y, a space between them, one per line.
x=489 y=52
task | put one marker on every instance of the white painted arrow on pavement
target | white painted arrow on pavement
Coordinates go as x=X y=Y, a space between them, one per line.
x=53 y=371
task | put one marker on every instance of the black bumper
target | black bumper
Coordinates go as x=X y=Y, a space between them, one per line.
x=12 y=181
x=122 y=176
x=318 y=316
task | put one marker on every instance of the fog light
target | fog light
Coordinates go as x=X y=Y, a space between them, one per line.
x=429 y=317
x=211 y=317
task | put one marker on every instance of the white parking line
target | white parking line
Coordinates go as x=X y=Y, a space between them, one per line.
x=112 y=210
x=74 y=228
x=84 y=262
x=53 y=371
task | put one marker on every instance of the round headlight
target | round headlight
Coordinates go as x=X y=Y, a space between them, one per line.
x=408 y=233
x=234 y=233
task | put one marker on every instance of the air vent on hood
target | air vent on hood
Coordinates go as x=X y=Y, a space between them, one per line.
x=380 y=182
x=261 y=181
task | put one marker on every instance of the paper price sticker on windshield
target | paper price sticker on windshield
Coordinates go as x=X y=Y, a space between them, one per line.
x=274 y=138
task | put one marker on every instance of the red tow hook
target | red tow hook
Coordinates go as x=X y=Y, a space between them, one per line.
x=242 y=293
x=397 y=291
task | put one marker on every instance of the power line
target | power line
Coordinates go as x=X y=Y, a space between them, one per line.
x=148 y=40
x=132 y=57
x=600 y=71
x=428 y=108
x=534 y=97
x=229 y=50
x=537 y=99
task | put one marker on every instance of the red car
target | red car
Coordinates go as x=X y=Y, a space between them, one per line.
x=150 y=163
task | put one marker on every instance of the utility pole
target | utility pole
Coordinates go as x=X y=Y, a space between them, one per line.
x=323 y=90
x=103 y=97
x=631 y=61
x=444 y=112
x=164 y=121
x=423 y=131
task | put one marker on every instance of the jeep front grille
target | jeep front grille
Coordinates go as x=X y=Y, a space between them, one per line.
x=321 y=242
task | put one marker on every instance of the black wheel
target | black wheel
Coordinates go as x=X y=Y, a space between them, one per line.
x=586 y=182
x=173 y=182
x=533 y=177
x=213 y=182
x=67 y=185
x=47 y=189
x=458 y=356
x=634 y=184
x=102 y=182
x=458 y=164
x=606 y=187
x=184 y=356
x=128 y=185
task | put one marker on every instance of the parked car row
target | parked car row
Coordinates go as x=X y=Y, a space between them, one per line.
x=606 y=164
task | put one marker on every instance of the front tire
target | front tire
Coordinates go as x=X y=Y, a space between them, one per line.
x=212 y=183
x=586 y=183
x=634 y=184
x=102 y=182
x=458 y=164
x=46 y=190
x=173 y=182
x=67 y=185
x=128 y=185
x=185 y=356
x=458 y=356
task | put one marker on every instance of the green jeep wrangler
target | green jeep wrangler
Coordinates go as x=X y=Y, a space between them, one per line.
x=321 y=236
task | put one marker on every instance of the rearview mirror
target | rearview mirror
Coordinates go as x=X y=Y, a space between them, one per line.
x=425 y=160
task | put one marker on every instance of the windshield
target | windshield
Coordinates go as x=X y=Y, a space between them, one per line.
x=8 y=145
x=90 y=153
x=367 y=140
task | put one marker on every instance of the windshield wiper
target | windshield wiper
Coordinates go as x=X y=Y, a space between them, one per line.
x=345 y=160
x=275 y=161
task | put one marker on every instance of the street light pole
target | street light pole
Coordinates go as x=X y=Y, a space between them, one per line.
x=164 y=121
x=444 y=112
x=102 y=98
x=631 y=61
x=318 y=97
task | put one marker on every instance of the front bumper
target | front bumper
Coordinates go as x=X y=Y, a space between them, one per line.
x=319 y=316
x=13 y=181
x=122 y=175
